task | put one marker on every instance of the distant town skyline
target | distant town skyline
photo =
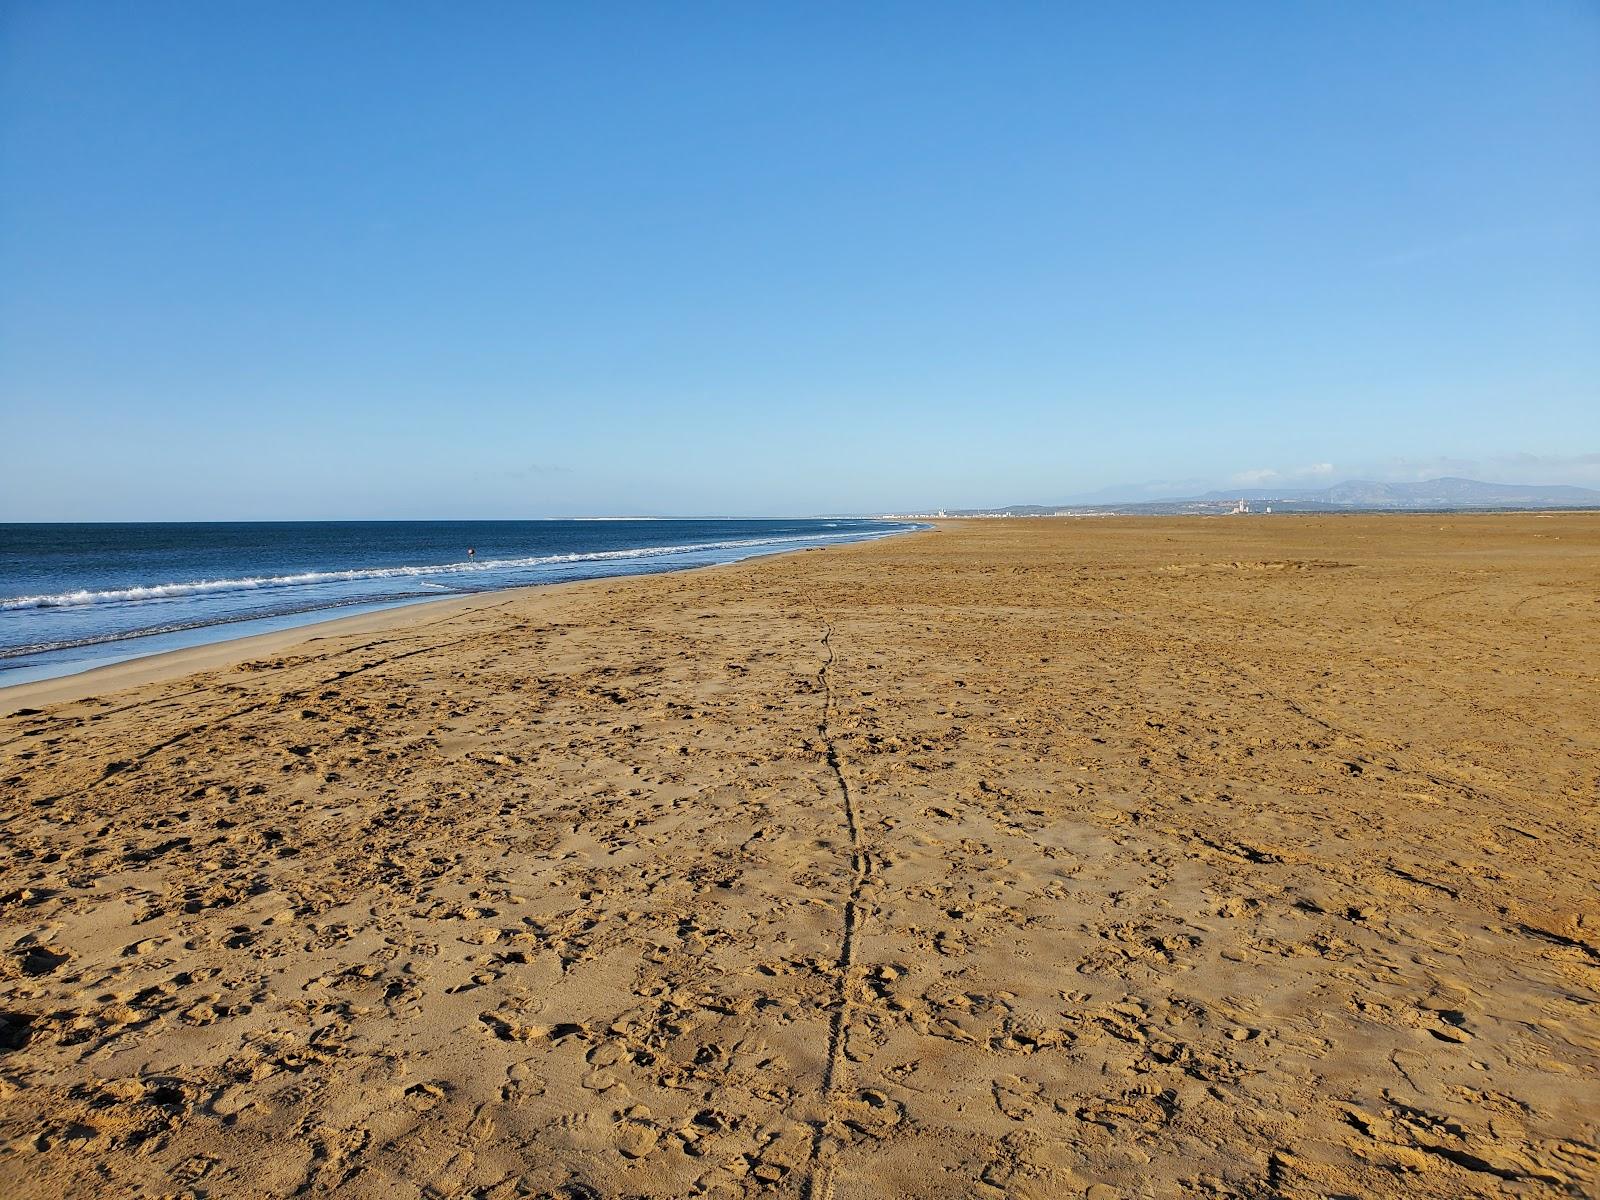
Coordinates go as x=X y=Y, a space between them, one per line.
x=375 y=262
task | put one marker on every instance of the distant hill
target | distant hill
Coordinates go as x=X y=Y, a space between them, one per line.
x=1447 y=492
x=1354 y=495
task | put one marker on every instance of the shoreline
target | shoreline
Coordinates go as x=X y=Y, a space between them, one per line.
x=161 y=665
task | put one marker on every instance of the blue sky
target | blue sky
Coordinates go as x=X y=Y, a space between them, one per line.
x=434 y=260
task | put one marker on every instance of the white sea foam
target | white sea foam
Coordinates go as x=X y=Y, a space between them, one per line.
x=200 y=587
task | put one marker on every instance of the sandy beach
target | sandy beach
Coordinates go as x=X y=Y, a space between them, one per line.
x=1047 y=858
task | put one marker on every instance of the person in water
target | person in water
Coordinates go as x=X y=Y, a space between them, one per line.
x=471 y=553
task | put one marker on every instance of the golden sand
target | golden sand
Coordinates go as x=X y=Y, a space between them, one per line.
x=1237 y=857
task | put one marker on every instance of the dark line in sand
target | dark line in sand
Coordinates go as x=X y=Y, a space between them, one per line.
x=819 y=1185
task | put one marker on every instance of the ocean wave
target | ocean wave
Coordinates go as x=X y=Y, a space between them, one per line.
x=200 y=587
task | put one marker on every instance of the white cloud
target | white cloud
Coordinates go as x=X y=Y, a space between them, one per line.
x=1263 y=476
x=1256 y=477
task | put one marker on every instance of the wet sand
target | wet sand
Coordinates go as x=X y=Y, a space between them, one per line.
x=1235 y=857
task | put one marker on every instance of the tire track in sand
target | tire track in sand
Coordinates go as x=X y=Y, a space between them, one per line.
x=819 y=1184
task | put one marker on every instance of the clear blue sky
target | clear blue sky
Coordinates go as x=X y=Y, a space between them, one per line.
x=429 y=259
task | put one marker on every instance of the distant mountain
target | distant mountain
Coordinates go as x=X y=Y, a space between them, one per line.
x=1352 y=495
x=1447 y=492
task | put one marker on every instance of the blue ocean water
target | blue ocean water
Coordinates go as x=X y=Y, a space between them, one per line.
x=78 y=596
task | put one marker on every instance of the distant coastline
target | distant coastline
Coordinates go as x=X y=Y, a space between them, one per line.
x=1442 y=495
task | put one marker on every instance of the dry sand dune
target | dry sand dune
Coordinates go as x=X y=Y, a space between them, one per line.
x=1037 y=859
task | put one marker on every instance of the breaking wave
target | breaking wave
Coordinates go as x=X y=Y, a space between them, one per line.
x=200 y=587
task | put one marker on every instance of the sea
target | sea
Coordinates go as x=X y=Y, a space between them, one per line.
x=76 y=596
